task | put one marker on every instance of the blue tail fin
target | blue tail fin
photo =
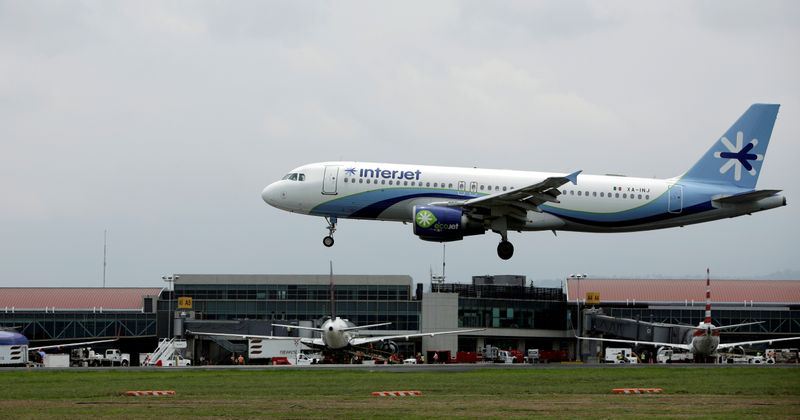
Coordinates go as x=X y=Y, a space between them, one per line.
x=736 y=158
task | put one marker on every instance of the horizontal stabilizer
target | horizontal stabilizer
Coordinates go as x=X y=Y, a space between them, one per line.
x=747 y=197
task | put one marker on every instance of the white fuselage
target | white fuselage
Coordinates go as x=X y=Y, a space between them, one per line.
x=705 y=340
x=333 y=334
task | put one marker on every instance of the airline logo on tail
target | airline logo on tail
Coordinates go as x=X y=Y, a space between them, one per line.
x=738 y=156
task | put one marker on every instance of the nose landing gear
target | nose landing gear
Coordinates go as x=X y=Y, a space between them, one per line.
x=328 y=240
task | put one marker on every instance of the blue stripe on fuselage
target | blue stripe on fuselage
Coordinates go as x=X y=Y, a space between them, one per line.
x=370 y=204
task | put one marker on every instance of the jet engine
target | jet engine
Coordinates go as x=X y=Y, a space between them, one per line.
x=444 y=224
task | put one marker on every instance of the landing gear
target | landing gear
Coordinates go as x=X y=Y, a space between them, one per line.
x=505 y=250
x=328 y=240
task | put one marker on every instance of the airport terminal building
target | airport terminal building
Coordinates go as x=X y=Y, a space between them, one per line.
x=511 y=312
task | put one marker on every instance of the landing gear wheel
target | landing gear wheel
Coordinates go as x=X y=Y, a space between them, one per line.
x=505 y=250
x=328 y=240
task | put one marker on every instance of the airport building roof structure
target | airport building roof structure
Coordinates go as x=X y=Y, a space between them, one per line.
x=53 y=299
x=685 y=291
x=322 y=279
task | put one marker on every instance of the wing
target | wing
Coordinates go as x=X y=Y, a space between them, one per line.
x=750 y=343
x=83 y=343
x=516 y=203
x=366 y=326
x=359 y=341
x=637 y=342
x=725 y=327
x=298 y=327
x=311 y=342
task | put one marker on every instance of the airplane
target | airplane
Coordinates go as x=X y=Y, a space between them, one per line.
x=339 y=334
x=448 y=203
x=706 y=336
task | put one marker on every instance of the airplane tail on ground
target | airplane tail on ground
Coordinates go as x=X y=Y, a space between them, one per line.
x=736 y=158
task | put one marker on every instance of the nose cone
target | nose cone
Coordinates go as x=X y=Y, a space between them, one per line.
x=270 y=195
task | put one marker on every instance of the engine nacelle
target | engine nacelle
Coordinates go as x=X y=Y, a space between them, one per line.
x=443 y=224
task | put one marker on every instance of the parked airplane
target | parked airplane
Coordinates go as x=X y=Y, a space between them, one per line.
x=448 y=203
x=338 y=334
x=705 y=338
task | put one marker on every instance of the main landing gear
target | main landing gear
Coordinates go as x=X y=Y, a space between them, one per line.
x=328 y=240
x=505 y=250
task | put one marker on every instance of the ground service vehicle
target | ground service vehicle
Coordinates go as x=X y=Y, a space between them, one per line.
x=620 y=355
x=85 y=356
x=668 y=355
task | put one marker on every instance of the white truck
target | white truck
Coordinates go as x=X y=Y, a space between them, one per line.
x=532 y=356
x=620 y=355
x=85 y=356
x=262 y=351
x=308 y=359
x=668 y=355
x=505 y=356
x=114 y=357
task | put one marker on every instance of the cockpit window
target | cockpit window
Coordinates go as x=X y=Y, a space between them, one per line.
x=295 y=177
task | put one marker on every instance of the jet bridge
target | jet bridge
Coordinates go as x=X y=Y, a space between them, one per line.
x=598 y=324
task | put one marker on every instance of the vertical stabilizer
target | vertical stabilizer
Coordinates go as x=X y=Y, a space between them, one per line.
x=736 y=158
x=707 y=319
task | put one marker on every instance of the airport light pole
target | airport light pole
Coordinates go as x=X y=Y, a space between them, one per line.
x=578 y=278
x=171 y=281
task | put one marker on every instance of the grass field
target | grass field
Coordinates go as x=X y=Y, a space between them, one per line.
x=568 y=392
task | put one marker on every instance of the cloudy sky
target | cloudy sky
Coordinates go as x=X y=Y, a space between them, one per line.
x=163 y=121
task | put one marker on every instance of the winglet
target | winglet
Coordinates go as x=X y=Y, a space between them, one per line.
x=573 y=177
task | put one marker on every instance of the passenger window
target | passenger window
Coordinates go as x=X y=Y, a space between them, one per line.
x=450 y=185
x=504 y=188
x=390 y=182
x=435 y=184
x=571 y=192
x=594 y=193
x=383 y=182
x=427 y=184
x=405 y=183
x=647 y=197
x=640 y=196
x=602 y=194
x=579 y=192
x=481 y=187
x=345 y=180
x=360 y=180
x=625 y=195
x=616 y=195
